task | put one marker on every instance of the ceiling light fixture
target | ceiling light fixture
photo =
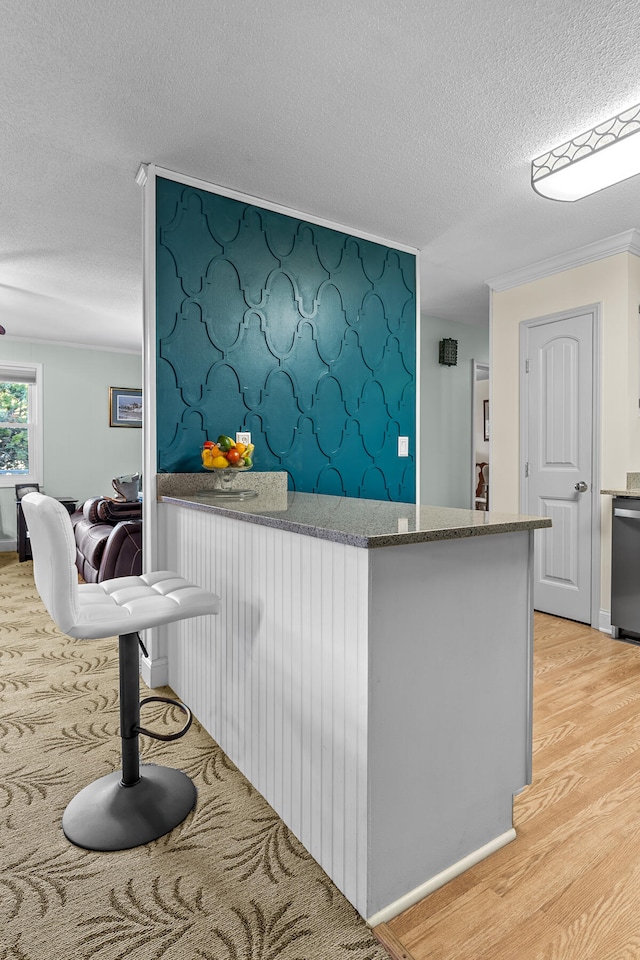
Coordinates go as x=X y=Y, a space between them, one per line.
x=602 y=156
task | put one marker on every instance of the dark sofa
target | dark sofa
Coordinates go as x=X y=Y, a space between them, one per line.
x=108 y=536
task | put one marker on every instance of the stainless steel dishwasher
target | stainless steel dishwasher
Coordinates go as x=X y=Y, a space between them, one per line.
x=625 y=567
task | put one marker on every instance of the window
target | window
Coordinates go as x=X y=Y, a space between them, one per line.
x=20 y=423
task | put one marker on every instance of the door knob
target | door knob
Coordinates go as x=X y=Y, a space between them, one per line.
x=581 y=486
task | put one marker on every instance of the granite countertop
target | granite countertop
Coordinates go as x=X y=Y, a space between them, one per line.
x=361 y=523
x=632 y=489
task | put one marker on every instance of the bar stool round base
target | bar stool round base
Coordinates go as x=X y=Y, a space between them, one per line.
x=106 y=815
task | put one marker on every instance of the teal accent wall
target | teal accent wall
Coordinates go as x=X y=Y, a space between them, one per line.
x=301 y=334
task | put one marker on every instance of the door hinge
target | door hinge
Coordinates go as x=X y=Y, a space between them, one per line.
x=526 y=469
x=526 y=366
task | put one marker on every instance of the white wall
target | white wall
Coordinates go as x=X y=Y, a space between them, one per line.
x=82 y=453
x=614 y=283
x=445 y=411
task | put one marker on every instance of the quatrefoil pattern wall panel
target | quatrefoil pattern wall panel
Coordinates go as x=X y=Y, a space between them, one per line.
x=301 y=334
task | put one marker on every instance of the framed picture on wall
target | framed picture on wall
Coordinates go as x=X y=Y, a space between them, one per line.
x=486 y=418
x=125 y=407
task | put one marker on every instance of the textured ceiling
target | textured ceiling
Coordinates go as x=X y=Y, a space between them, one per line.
x=415 y=121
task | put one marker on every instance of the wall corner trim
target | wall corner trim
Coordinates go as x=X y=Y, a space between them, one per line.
x=142 y=175
x=626 y=242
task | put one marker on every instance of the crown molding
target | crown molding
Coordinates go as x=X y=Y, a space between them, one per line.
x=69 y=343
x=279 y=208
x=626 y=242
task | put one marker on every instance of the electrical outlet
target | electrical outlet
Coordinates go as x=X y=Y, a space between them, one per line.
x=403 y=446
x=243 y=438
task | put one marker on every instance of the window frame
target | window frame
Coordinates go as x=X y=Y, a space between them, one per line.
x=35 y=421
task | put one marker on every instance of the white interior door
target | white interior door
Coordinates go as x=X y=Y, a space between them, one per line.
x=559 y=453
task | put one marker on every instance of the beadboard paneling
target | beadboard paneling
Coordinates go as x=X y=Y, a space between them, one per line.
x=279 y=678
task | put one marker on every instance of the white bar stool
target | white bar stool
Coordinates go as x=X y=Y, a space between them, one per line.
x=133 y=806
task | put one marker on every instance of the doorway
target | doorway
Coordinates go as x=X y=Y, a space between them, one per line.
x=480 y=436
x=560 y=441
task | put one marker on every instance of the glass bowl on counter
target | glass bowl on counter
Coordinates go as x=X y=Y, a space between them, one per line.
x=225 y=458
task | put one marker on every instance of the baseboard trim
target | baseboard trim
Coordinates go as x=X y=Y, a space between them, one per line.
x=419 y=893
x=604 y=621
x=155 y=673
x=8 y=546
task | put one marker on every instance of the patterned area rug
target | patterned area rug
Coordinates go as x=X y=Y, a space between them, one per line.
x=230 y=883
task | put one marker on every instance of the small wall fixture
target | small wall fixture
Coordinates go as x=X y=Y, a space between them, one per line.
x=602 y=156
x=448 y=352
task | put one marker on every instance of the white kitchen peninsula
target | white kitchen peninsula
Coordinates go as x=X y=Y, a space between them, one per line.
x=370 y=673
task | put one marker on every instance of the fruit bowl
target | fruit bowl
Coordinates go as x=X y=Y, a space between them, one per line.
x=226 y=458
x=226 y=454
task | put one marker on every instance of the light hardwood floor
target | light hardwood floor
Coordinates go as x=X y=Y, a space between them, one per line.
x=568 y=888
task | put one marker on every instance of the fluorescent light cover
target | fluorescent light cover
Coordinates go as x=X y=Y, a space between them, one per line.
x=607 y=154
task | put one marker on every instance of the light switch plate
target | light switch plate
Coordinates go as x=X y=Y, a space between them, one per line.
x=403 y=446
x=243 y=438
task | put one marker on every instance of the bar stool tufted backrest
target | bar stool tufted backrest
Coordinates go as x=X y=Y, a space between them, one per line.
x=54 y=552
